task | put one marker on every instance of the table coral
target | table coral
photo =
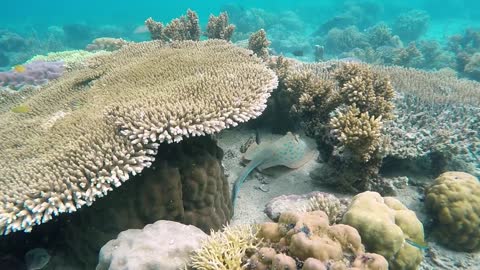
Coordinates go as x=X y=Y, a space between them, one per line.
x=116 y=114
x=388 y=228
x=453 y=201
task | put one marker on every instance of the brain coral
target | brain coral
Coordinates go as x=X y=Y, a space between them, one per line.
x=453 y=200
x=89 y=131
x=385 y=224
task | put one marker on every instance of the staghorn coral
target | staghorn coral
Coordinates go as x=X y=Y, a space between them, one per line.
x=219 y=28
x=385 y=225
x=106 y=44
x=186 y=27
x=307 y=239
x=453 y=201
x=224 y=250
x=258 y=43
x=115 y=122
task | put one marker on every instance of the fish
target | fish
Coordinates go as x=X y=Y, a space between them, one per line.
x=421 y=246
x=289 y=151
x=22 y=108
x=19 y=68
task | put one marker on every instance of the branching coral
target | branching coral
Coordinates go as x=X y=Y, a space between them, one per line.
x=219 y=27
x=225 y=250
x=259 y=43
x=359 y=134
x=186 y=27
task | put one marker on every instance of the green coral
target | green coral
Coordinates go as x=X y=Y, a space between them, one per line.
x=453 y=201
x=388 y=228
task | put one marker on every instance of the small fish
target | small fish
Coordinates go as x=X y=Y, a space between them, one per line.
x=19 y=68
x=289 y=151
x=421 y=246
x=21 y=109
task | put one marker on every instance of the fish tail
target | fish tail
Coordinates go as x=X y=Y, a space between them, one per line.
x=243 y=175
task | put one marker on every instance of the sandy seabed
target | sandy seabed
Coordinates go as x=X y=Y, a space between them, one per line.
x=260 y=188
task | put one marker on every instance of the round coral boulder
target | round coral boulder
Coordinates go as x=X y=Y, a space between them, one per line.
x=453 y=201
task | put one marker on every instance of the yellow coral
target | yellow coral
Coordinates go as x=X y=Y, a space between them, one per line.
x=384 y=225
x=453 y=201
x=357 y=132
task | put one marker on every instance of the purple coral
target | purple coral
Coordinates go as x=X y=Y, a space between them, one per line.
x=36 y=73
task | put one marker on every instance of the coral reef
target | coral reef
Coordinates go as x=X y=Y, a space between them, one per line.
x=186 y=183
x=106 y=44
x=259 y=43
x=305 y=240
x=72 y=59
x=218 y=27
x=162 y=245
x=137 y=98
x=453 y=201
x=35 y=73
x=186 y=27
x=334 y=207
x=411 y=25
x=224 y=250
x=388 y=228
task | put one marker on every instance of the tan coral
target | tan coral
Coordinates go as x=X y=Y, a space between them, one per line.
x=218 y=27
x=187 y=27
x=258 y=43
x=116 y=114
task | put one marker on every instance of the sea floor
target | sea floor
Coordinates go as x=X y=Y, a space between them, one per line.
x=260 y=188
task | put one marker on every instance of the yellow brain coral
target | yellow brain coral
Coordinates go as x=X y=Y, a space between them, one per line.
x=388 y=228
x=90 y=130
x=453 y=200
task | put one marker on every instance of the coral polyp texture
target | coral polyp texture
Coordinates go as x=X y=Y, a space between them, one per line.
x=453 y=201
x=388 y=228
x=186 y=27
x=89 y=131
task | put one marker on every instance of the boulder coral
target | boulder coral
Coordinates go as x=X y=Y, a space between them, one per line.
x=388 y=228
x=307 y=239
x=165 y=245
x=453 y=201
x=93 y=129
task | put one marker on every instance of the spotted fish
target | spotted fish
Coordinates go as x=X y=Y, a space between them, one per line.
x=289 y=151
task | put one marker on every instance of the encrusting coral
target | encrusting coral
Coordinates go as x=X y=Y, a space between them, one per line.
x=113 y=117
x=388 y=228
x=453 y=201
